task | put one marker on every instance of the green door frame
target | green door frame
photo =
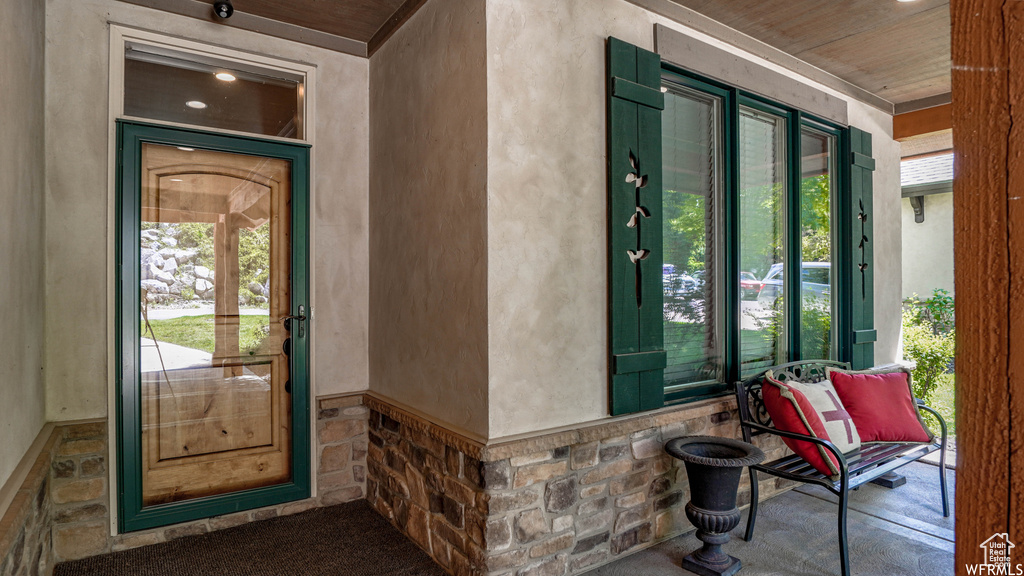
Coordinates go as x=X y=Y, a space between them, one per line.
x=133 y=516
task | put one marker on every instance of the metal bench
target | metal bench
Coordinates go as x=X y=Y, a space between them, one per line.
x=868 y=463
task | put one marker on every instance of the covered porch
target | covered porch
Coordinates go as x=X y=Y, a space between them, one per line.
x=480 y=364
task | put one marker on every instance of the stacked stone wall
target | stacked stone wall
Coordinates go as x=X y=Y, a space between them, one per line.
x=25 y=541
x=62 y=510
x=80 y=518
x=429 y=484
x=550 y=505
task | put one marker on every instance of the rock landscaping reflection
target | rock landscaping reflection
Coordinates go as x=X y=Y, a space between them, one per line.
x=177 y=264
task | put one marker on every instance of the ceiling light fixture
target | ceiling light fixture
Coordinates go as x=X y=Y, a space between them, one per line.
x=183 y=149
x=195 y=104
x=223 y=9
x=225 y=76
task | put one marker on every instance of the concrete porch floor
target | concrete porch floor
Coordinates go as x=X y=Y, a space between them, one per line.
x=891 y=532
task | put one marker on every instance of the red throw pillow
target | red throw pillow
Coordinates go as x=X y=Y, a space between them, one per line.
x=881 y=405
x=791 y=411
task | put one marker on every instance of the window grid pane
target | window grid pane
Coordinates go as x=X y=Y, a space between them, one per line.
x=817 y=306
x=762 y=219
x=691 y=175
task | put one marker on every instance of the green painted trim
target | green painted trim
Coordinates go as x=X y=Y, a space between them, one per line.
x=133 y=516
x=623 y=316
x=699 y=392
x=732 y=308
x=643 y=95
x=762 y=105
x=840 y=239
x=792 y=245
x=861 y=295
x=652 y=332
x=865 y=336
x=844 y=257
x=861 y=160
x=640 y=362
x=635 y=290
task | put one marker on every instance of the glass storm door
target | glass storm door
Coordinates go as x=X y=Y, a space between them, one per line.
x=213 y=329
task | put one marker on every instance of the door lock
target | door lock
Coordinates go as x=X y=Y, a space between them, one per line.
x=300 y=318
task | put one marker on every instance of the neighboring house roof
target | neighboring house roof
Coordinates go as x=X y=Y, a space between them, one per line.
x=926 y=170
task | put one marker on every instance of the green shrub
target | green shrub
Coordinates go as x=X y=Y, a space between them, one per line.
x=816 y=328
x=254 y=256
x=936 y=312
x=931 y=351
x=940 y=310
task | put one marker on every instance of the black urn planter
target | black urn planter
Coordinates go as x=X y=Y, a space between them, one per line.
x=713 y=467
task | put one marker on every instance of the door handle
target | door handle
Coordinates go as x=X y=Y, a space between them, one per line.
x=301 y=318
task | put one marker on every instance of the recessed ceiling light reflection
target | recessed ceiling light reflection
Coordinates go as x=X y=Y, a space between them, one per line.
x=225 y=76
x=175 y=180
x=183 y=149
x=195 y=104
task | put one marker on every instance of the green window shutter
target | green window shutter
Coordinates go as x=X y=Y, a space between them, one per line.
x=862 y=266
x=636 y=334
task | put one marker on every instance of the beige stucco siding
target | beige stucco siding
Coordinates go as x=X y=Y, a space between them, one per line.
x=547 y=272
x=428 y=223
x=22 y=225
x=928 y=247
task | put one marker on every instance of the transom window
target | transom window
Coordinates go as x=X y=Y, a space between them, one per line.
x=188 y=88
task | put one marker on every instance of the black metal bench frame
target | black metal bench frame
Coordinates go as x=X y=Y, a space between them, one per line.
x=857 y=468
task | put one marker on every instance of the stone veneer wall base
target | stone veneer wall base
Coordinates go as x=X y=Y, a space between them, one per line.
x=553 y=504
x=61 y=510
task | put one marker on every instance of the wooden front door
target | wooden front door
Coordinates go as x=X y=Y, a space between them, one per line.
x=218 y=338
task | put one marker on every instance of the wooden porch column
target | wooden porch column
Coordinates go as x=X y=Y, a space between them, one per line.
x=225 y=286
x=988 y=203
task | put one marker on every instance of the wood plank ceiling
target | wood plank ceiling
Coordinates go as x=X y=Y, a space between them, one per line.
x=367 y=21
x=355 y=27
x=899 y=51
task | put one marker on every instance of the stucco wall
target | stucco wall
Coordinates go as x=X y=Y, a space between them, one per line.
x=77 y=195
x=22 y=411
x=428 y=220
x=547 y=272
x=928 y=247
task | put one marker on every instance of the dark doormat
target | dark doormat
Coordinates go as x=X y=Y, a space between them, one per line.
x=346 y=540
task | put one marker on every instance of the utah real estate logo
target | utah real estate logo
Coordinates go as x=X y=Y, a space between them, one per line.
x=997 y=549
